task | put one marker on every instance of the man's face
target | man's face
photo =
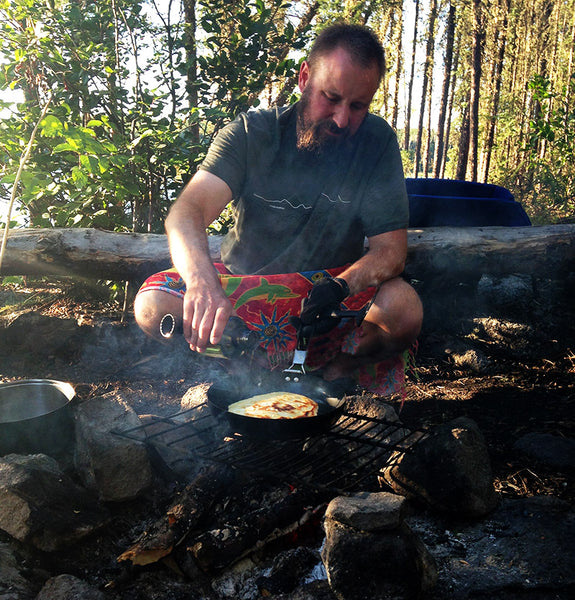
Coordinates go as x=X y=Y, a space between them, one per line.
x=335 y=99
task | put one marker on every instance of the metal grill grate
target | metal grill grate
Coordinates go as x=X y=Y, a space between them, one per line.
x=340 y=459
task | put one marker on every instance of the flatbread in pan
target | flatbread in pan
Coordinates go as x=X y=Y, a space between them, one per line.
x=329 y=397
x=276 y=405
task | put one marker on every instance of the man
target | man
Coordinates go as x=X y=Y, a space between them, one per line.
x=308 y=183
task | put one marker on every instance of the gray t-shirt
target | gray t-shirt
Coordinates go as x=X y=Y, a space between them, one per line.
x=297 y=211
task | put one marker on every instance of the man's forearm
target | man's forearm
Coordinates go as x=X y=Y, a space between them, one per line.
x=201 y=201
x=206 y=308
x=188 y=244
x=384 y=260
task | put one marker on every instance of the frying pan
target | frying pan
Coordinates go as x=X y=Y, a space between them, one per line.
x=329 y=395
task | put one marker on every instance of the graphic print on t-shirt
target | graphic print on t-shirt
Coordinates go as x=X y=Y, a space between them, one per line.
x=286 y=203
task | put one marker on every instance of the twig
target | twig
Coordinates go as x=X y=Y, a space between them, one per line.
x=23 y=160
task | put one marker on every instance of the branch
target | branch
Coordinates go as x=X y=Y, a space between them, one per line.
x=23 y=160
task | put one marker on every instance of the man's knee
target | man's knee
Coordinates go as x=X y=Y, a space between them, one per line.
x=413 y=312
x=149 y=308
x=398 y=310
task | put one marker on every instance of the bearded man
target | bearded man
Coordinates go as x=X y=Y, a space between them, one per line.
x=309 y=183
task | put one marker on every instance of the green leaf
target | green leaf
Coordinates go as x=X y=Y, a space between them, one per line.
x=79 y=177
x=65 y=147
x=51 y=126
x=90 y=163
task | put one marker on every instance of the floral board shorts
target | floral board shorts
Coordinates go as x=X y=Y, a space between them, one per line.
x=267 y=302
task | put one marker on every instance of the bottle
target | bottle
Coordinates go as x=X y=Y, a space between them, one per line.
x=236 y=339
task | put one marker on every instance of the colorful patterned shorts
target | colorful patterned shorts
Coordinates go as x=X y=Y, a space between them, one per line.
x=266 y=303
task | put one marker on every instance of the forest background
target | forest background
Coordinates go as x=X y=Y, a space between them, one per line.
x=108 y=107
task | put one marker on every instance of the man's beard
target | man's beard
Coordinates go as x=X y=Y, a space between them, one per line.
x=315 y=136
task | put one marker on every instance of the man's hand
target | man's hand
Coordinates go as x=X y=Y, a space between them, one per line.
x=324 y=297
x=206 y=313
x=206 y=307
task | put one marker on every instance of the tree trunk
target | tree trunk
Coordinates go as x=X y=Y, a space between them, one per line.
x=407 y=131
x=450 y=107
x=448 y=62
x=478 y=38
x=188 y=509
x=291 y=82
x=191 y=74
x=427 y=75
x=427 y=147
x=497 y=76
x=463 y=251
x=546 y=65
x=570 y=67
x=463 y=149
x=398 y=69
x=213 y=551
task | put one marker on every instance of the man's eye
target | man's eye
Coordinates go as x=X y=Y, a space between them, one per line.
x=331 y=99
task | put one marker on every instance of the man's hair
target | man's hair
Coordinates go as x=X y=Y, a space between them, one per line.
x=360 y=42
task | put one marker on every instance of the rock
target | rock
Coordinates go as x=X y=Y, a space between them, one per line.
x=552 y=450
x=376 y=565
x=194 y=397
x=313 y=590
x=287 y=571
x=13 y=586
x=449 y=468
x=177 y=446
x=52 y=336
x=42 y=506
x=368 y=511
x=513 y=292
x=117 y=467
x=373 y=408
x=68 y=587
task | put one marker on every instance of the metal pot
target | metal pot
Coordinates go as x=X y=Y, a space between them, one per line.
x=35 y=417
x=329 y=396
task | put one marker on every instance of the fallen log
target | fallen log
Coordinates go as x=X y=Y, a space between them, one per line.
x=543 y=251
x=458 y=252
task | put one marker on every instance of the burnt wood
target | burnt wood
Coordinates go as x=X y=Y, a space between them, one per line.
x=218 y=548
x=545 y=251
x=187 y=510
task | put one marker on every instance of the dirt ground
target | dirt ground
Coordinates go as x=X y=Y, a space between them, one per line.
x=98 y=350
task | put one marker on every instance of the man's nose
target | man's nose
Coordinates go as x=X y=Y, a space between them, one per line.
x=341 y=116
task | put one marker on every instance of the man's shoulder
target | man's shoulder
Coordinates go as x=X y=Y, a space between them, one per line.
x=265 y=119
x=377 y=135
x=377 y=125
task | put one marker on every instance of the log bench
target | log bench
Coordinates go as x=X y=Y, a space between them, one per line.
x=459 y=253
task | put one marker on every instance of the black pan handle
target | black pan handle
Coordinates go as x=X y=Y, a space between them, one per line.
x=357 y=315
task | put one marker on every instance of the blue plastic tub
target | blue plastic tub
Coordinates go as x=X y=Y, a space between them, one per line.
x=448 y=202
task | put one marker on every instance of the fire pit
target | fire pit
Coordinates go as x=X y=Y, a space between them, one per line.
x=529 y=535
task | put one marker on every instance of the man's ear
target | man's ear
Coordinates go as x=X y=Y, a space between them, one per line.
x=304 y=75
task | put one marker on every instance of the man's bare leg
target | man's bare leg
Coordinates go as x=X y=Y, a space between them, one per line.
x=391 y=325
x=149 y=308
